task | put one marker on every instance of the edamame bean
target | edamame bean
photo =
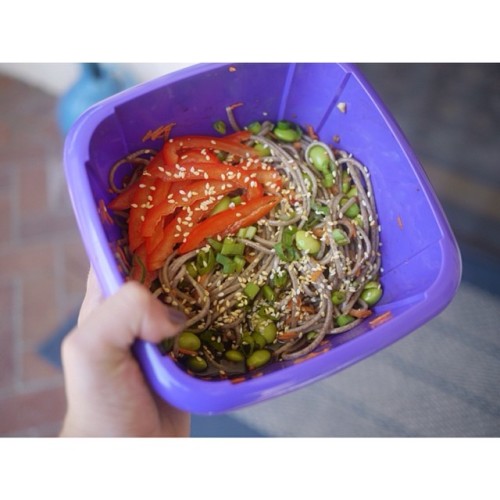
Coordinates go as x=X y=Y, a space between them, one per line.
x=259 y=340
x=196 y=364
x=254 y=127
x=258 y=358
x=353 y=210
x=268 y=330
x=307 y=242
x=319 y=158
x=287 y=134
x=189 y=341
x=340 y=237
x=344 y=319
x=371 y=293
x=338 y=297
x=234 y=355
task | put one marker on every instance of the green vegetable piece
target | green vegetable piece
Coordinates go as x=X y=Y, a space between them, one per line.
x=319 y=158
x=371 y=293
x=268 y=330
x=352 y=192
x=286 y=135
x=279 y=279
x=344 y=319
x=234 y=355
x=261 y=149
x=192 y=270
x=196 y=364
x=247 y=344
x=251 y=290
x=167 y=344
x=283 y=124
x=228 y=265
x=327 y=180
x=231 y=247
x=222 y=205
x=189 y=341
x=254 y=127
x=340 y=237
x=311 y=336
x=268 y=293
x=307 y=242
x=205 y=261
x=259 y=340
x=338 y=297
x=247 y=232
x=220 y=127
x=352 y=211
x=258 y=358
x=346 y=182
x=216 y=245
x=239 y=262
x=236 y=200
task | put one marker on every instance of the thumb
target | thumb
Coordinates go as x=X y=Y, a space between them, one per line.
x=131 y=313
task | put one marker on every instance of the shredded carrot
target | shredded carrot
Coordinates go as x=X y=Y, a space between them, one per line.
x=318 y=232
x=360 y=313
x=316 y=274
x=103 y=213
x=311 y=133
x=399 y=221
x=163 y=130
x=297 y=145
x=237 y=380
x=187 y=352
x=380 y=319
x=287 y=336
x=235 y=105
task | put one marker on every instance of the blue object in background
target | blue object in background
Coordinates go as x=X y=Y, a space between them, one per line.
x=96 y=82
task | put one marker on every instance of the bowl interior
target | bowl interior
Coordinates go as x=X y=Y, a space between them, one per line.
x=419 y=255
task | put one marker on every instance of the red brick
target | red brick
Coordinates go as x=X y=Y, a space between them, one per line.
x=26 y=259
x=34 y=409
x=40 y=312
x=32 y=186
x=8 y=309
x=37 y=370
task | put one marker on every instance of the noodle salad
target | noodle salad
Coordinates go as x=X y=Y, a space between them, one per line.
x=266 y=238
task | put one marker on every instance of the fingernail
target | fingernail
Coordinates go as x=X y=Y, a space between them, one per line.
x=176 y=317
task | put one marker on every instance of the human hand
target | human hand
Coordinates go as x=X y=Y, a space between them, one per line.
x=107 y=394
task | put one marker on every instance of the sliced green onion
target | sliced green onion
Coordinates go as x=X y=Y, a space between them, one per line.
x=191 y=269
x=205 y=261
x=228 y=265
x=279 y=279
x=231 y=247
x=239 y=262
x=222 y=205
x=247 y=232
x=268 y=293
x=216 y=245
x=251 y=290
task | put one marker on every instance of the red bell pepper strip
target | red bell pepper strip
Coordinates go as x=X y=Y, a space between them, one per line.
x=172 y=147
x=175 y=231
x=228 y=221
x=195 y=191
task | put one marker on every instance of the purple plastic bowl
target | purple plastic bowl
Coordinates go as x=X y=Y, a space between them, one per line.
x=420 y=257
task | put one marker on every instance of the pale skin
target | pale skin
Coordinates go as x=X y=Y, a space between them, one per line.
x=107 y=394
